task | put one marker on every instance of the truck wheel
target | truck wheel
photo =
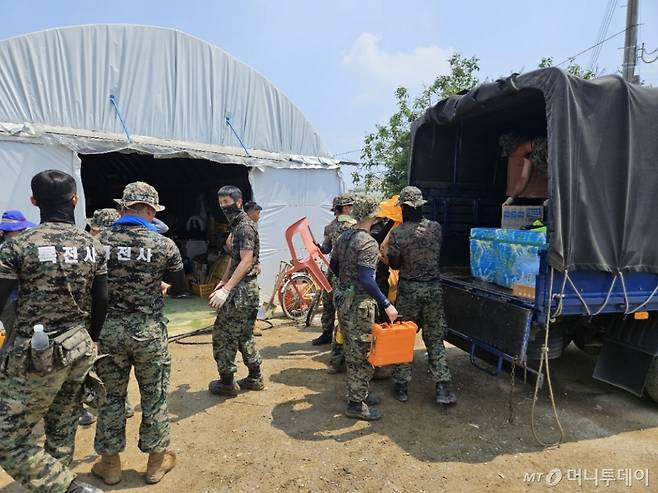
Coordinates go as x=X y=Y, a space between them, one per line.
x=651 y=387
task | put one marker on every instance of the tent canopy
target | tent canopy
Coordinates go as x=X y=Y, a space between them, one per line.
x=175 y=93
x=176 y=96
x=602 y=157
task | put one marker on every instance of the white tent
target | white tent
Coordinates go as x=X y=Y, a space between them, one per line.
x=106 y=88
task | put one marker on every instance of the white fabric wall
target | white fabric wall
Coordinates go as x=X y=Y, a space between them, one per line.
x=287 y=195
x=20 y=161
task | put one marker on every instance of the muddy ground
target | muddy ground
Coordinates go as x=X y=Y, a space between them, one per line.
x=293 y=436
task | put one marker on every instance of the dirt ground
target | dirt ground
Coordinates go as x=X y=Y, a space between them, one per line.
x=294 y=437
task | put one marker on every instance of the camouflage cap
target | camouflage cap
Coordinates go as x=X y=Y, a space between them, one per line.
x=411 y=196
x=140 y=193
x=365 y=206
x=103 y=219
x=344 y=199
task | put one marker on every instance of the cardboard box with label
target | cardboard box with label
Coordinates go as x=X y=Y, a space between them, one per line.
x=518 y=216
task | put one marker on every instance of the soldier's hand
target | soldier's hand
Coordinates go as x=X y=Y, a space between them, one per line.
x=218 y=298
x=164 y=288
x=391 y=313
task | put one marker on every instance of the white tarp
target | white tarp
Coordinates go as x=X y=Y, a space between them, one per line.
x=170 y=88
x=175 y=93
x=19 y=162
x=288 y=195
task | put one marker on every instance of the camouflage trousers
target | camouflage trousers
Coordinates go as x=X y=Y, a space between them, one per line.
x=356 y=325
x=328 y=308
x=134 y=341
x=422 y=302
x=234 y=329
x=27 y=396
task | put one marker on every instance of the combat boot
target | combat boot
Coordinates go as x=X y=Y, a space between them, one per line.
x=335 y=369
x=360 y=410
x=225 y=386
x=372 y=399
x=108 y=468
x=159 y=464
x=325 y=338
x=401 y=392
x=78 y=486
x=444 y=395
x=253 y=381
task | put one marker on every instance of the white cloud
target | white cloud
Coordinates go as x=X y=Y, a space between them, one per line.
x=394 y=68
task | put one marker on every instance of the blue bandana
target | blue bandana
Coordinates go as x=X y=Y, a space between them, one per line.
x=135 y=221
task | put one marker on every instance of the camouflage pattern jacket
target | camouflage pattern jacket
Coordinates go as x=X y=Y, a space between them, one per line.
x=415 y=247
x=244 y=237
x=137 y=262
x=55 y=265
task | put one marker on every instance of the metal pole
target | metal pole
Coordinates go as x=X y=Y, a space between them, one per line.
x=630 y=42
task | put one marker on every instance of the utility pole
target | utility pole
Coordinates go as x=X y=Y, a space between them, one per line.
x=630 y=42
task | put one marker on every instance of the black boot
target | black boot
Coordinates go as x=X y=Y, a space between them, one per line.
x=78 y=486
x=253 y=381
x=400 y=392
x=444 y=395
x=325 y=338
x=225 y=386
x=372 y=399
x=360 y=410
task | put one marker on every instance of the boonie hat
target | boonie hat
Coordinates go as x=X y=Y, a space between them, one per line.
x=412 y=197
x=140 y=192
x=14 y=221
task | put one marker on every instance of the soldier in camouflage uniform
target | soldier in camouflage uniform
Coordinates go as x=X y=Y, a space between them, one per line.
x=357 y=297
x=414 y=249
x=102 y=220
x=61 y=274
x=135 y=334
x=342 y=208
x=12 y=224
x=236 y=299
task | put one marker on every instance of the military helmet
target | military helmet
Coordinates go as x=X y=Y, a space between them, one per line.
x=412 y=197
x=365 y=206
x=140 y=193
x=103 y=219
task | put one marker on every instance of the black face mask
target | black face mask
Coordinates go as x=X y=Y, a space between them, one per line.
x=63 y=212
x=231 y=212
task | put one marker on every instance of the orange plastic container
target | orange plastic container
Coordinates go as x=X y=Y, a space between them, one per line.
x=392 y=344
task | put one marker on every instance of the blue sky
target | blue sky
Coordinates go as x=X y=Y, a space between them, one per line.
x=340 y=61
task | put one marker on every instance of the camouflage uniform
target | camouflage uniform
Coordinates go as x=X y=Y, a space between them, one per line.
x=420 y=298
x=234 y=327
x=135 y=333
x=55 y=265
x=340 y=225
x=356 y=309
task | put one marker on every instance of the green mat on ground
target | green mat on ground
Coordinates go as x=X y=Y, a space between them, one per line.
x=188 y=314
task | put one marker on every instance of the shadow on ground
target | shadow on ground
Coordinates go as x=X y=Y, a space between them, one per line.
x=476 y=429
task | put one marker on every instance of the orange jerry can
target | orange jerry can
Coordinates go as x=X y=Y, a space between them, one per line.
x=392 y=344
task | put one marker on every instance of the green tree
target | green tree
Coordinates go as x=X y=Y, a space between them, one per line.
x=385 y=154
x=573 y=68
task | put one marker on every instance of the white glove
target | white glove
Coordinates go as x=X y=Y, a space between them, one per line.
x=218 y=298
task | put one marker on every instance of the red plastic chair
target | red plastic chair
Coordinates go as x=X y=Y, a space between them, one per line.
x=303 y=229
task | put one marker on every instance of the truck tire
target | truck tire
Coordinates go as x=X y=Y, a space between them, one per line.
x=651 y=387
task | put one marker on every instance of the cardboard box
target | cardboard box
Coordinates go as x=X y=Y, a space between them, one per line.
x=518 y=216
x=523 y=291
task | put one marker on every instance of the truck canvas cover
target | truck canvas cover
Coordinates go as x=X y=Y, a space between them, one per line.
x=602 y=160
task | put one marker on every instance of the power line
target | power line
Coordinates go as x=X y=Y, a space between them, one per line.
x=347 y=152
x=603 y=32
x=571 y=58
